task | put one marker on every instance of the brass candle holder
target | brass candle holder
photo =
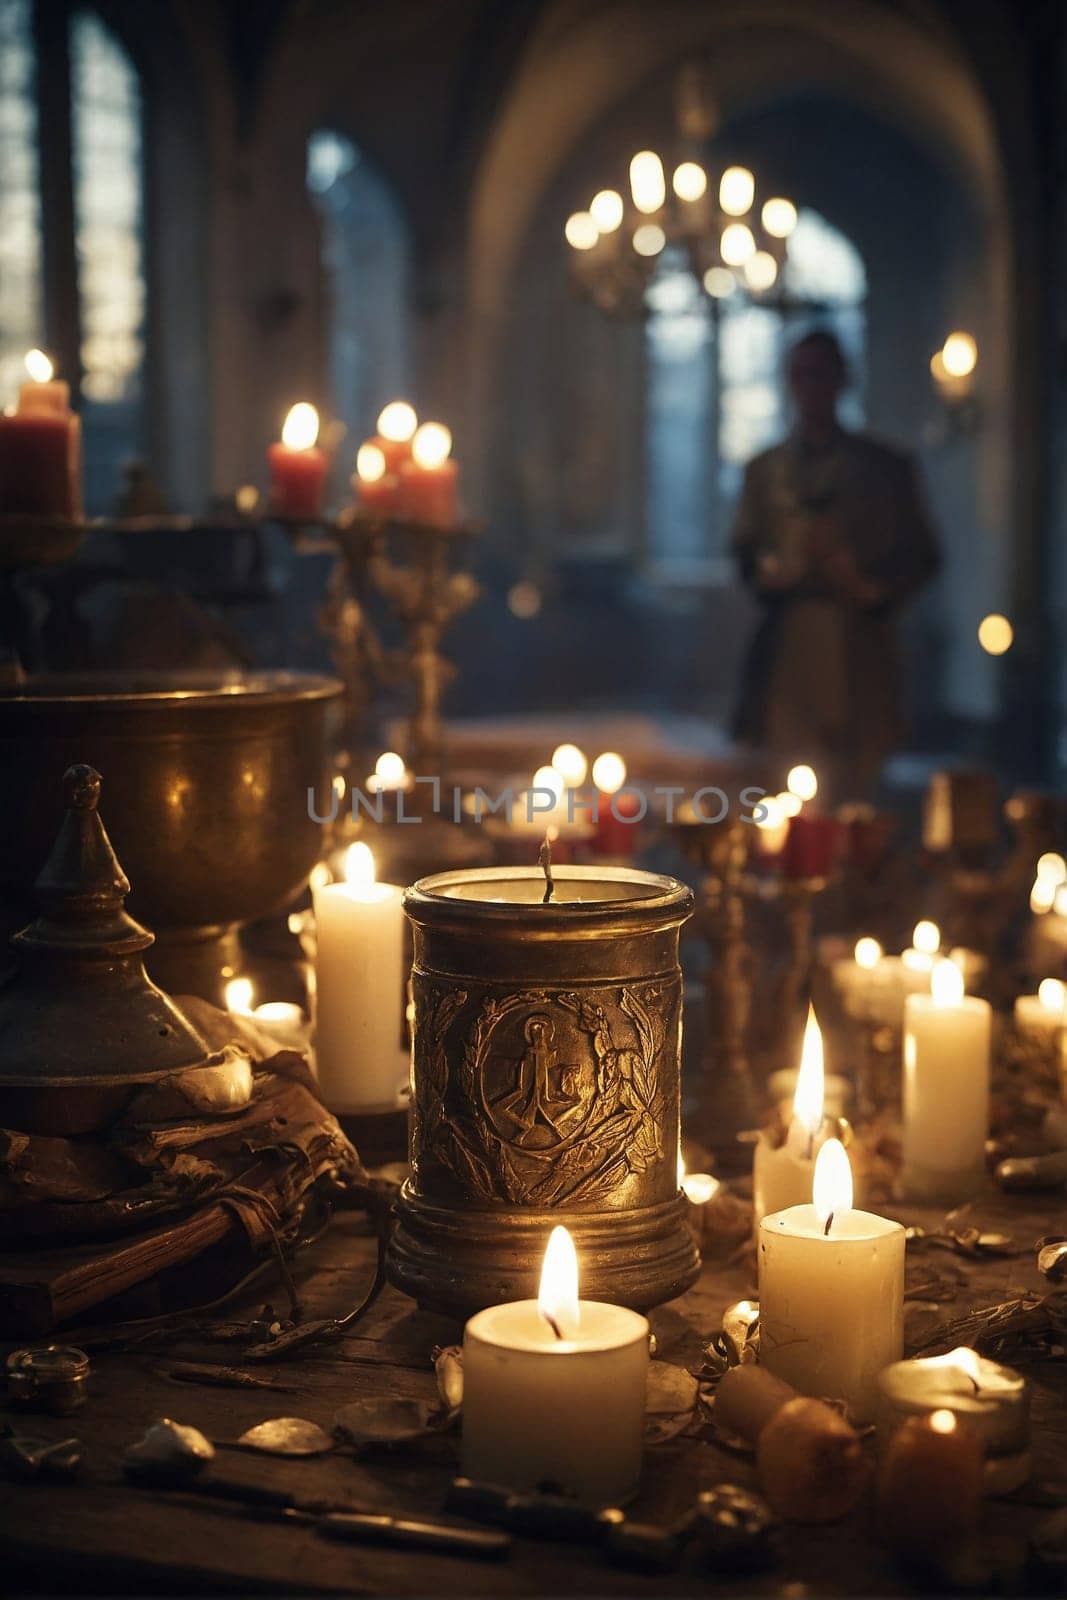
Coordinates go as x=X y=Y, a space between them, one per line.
x=546 y=1086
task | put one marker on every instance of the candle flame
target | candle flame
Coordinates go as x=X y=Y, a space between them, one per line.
x=570 y=763
x=943 y=1421
x=1052 y=993
x=1043 y=895
x=831 y=1188
x=947 y=984
x=359 y=865
x=301 y=426
x=397 y=421
x=370 y=463
x=432 y=445
x=549 y=778
x=789 y=804
x=239 y=993
x=39 y=366
x=927 y=937
x=868 y=953
x=557 y=1297
x=803 y=783
x=609 y=772
x=1052 y=866
x=808 y=1099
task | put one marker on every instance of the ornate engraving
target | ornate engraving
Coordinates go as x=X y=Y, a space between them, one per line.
x=542 y=1097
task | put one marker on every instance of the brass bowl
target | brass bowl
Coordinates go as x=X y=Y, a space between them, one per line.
x=208 y=777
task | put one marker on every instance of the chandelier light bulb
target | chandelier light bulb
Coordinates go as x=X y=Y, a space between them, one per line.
x=606 y=210
x=737 y=244
x=581 y=231
x=720 y=282
x=779 y=218
x=737 y=190
x=761 y=271
x=649 y=239
x=647 y=183
x=690 y=181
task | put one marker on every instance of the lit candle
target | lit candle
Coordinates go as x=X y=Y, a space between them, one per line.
x=554 y=1389
x=859 y=977
x=376 y=487
x=699 y=1188
x=297 y=465
x=831 y=1290
x=930 y=1489
x=428 y=480
x=618 y=809
x=782 y=1172
x=397 y=423
x=1040 y=1017
x=359 y=988
x=994 y=1401
x=280 y=1020
x=40 y=448
x=946 y=1089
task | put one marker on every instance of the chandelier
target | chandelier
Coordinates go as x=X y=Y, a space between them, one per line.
x=733 y=243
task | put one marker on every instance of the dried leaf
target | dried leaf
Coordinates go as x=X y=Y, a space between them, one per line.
x=448 y=1369
x=384 y=1421
x=670 y=1389
x=287 y=1436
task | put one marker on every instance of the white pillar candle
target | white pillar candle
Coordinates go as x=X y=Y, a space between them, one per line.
x=782 y=1172
x=946 y=1089
x=554 y=1390
x=994 y=1401
x=831 y=1291
x=1040 y=1017
x=359 y=989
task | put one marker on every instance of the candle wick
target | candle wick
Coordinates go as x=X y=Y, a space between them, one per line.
x=811 y=1144
x=544 y=861
x=829 y=1222
x=553 y=1324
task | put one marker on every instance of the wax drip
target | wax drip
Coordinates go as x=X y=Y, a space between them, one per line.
x=544 y=861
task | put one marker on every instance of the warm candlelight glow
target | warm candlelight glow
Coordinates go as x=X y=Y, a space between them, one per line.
x=549 y=778
x=808 y=1099
x=802 y=782
x=1052 y=865
x=720 y=282
x=609 y=772
x=736 y=244
x=927 y=938
x=319 y=875
x=557 y=1296
x=868 y=953
x=959 y=355
x=581 y=231
x=647 y=182
x=737 y=190
x=789 y=804
x=779 y=218
x=301 y=427
x=760 y=271
x=239 y=993
x=995 y=634
x=943 y=1421
x=698 y=1187
x=39 y=366
x=690 y=181
x=946 y=984
x=1052 y=993
x=649 y=239
x=370 y=463
x=397 y=421
x=606 y=209
x=1059 y=904
x=1043 y=895
x=390 y=769
x=831 y=1188
x=432 y=445
x=570 y=763
x=359 y=870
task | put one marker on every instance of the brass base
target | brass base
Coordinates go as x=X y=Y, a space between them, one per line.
x=458 y=1262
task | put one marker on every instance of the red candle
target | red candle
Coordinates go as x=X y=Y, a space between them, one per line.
x=40 y=448
x=297 y=466
x=378 y=489
x=428 y=480
x=811 y=847
x=397 y=423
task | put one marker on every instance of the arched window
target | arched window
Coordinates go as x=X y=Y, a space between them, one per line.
x=67 y=85
x=714 y=391
x=366 y=265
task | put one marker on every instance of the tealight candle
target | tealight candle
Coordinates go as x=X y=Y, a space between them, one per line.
x=994 y=1401
x=1040 y=1017
x=359 y=988
x=297 y=465
x=280 y=1020
x=782 y=1173
x=554 y=1390
x=946 y=1089
x=831 y=1290
x=699 y=1188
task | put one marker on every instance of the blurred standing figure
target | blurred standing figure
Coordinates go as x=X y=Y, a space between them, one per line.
x=833 y=536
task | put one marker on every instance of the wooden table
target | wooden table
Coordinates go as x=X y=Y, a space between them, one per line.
x=102 y=1536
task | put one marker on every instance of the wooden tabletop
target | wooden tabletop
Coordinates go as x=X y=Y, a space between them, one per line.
x=102 y=1536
